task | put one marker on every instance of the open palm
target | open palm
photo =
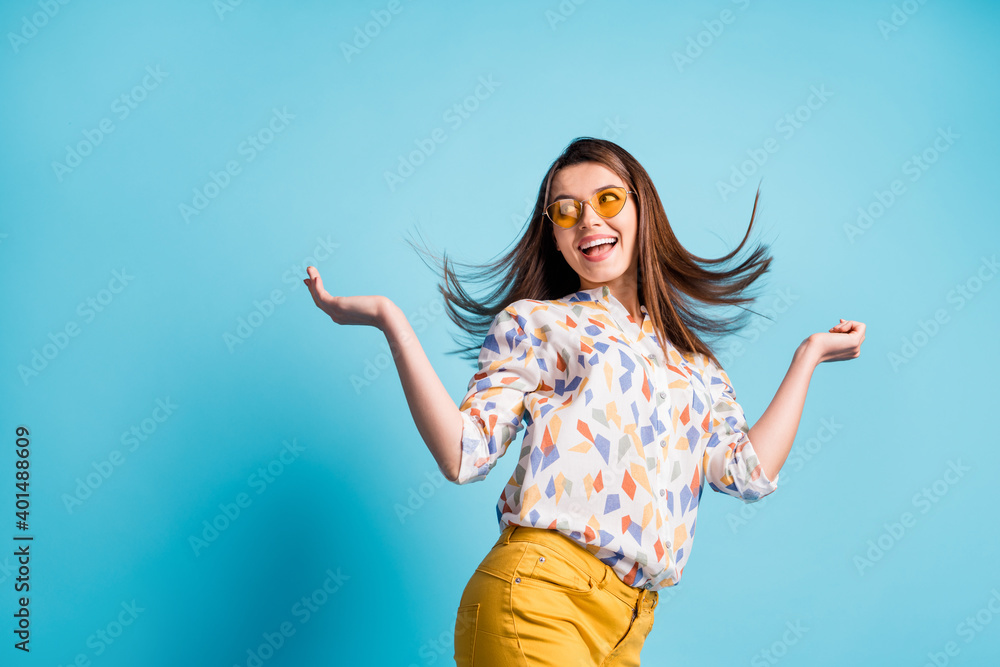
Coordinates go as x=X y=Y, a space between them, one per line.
x=365 y=310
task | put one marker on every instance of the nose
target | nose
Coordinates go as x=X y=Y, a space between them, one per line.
x=589 y=216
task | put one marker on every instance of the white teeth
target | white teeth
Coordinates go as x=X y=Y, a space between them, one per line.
x=591 y=244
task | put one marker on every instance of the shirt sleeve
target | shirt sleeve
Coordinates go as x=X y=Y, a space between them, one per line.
x=493 y=408
x=730 y=462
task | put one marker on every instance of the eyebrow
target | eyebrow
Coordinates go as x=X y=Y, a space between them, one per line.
x=603 y=187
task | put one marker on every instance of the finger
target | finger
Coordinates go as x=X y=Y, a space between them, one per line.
x=314 y=288
x=312 y=293
x=310 y=286
x=317 y=281
x=314 y=275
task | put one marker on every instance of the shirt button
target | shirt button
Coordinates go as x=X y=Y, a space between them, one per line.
x=662 y=493
x=648 y=586
x=663 y=394
x=663 y=443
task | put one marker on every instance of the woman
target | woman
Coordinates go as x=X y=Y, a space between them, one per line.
x=593 y=349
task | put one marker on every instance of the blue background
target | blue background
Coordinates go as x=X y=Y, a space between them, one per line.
x=558 y=71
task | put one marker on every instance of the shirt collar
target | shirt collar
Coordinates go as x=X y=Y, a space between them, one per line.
x=600 y=293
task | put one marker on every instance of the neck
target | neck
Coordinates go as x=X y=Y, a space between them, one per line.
x=625 y=288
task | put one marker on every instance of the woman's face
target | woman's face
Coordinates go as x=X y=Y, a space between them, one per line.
x=606 y=264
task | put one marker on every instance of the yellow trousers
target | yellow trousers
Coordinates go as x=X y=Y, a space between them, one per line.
x=539 y=598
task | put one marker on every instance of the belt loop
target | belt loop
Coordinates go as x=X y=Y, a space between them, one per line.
x=509 y=530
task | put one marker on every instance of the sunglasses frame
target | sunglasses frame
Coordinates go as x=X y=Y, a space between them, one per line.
x=581 y=204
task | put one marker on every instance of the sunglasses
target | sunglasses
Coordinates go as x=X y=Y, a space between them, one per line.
x=607 y=203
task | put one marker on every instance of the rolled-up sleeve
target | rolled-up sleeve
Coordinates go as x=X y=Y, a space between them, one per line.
x=730 y=462
x=494 y=405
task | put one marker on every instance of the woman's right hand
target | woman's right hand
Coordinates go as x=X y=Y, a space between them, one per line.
x=366 y=310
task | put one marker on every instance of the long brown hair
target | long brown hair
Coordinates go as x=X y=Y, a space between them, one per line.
x=672 y=281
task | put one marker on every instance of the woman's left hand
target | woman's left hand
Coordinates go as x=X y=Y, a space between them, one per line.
x=842 y=341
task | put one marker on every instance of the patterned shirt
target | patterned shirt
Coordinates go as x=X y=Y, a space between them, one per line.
x=619 y=441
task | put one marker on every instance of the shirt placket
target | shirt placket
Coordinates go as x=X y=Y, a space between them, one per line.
x=658 y=375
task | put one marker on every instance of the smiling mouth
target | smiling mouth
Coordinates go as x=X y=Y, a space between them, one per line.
x=606 y=244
